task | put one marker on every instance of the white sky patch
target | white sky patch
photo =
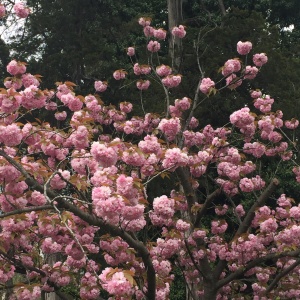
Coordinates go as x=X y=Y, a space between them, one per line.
x=289 y=28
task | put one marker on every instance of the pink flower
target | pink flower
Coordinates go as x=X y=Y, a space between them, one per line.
x=240 y=210
x=105 y=155
x=148 y=31
x=250 y=72
x=206 y=85
x=160 y=34
x=256 y=94
x=144 y=21
x=28 y=80
x=21 y=11
x=141 y=69
x=142 y=84
x=231 y=66
x=10 y=135
x=292 y=124
x=130 y=51
x=179 y=31
x=170 y=127
x=2 y=11
x=243 y=48
x=268 y=226
x=163 y=70
x=126 y=107
x=16 y=67
x=119 y=74
x=260 y=59
x=100 y=86
x=174 y=158
x=246 y=185
x=60 y=116
x=171 y=81
x=153 y=46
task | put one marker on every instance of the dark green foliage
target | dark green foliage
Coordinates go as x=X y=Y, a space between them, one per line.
x=178 y=286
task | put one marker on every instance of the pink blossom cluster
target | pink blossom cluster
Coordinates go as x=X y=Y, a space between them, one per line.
x=179 y=31
x=24 y=293
x=130 y=51
x=218 y=227
x=141 y=69
x=243 y=48
x=117 y=252
x=153 y=46
x=170 y=127
x=171 y=81
x=119 y=74
x=251 y=184
x=180 y=106
x=206 y=86
x=260 y=59
x=174 y=158
x=21 y=10
x=163 y=210
x=143 y=84
x=264 y=104
x=292 y=124
x=116 y=284
x=231 y=66
x=10 y=135
x=103 y=154
x=163 y=70
x=100 y=86
x=296 y=171
x=2 y=11
x=16 y=68
x=160 y=34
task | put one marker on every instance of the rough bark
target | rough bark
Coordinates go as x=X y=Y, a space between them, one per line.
x=175 y=44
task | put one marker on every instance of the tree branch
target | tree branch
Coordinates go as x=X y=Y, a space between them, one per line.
x=242 y=270
x=281 y=275
x=207 y=203
x=184 y=177
x=25 y=210
x=260 y=202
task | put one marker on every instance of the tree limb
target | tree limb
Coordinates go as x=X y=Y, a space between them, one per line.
x=255 y=262
x=260 y=202
x=207 y=203
x=281 y=275
x=25 y=210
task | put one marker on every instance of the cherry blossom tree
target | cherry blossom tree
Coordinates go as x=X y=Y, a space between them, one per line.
x=78 y=188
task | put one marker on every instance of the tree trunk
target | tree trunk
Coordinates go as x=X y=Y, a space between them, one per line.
x=51 y=260
x=175 y=44
x=210 y=292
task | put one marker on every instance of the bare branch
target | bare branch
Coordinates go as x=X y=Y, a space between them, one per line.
x=25 y=210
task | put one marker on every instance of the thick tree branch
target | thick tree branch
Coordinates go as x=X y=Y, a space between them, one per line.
x=25 y=210
x=281 y=275
x=260 y=202
x=185 y=180
x=222 y=7
x=255 y=262
x=209 y=199
x=244 y=226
